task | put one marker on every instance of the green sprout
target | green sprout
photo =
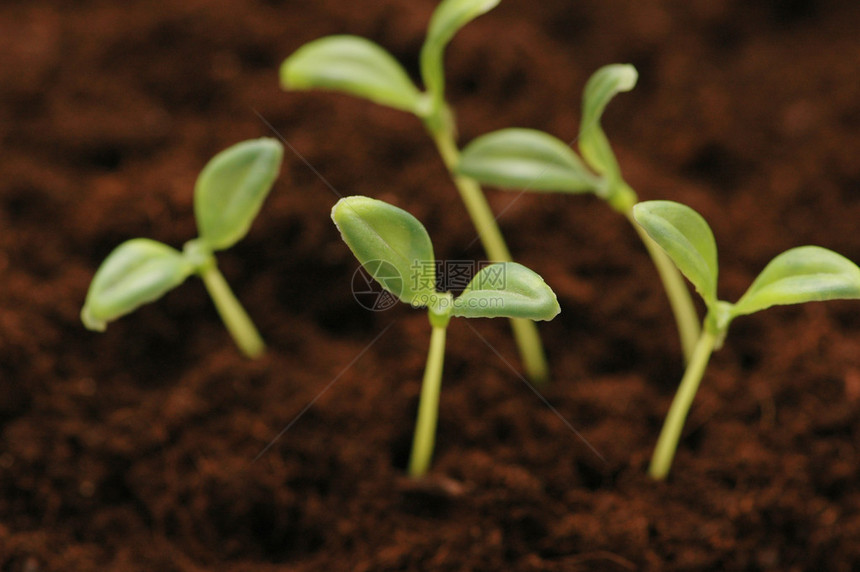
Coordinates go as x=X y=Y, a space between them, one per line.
x=531 y=160
x=362 y=68
x=395 y=249
x=227 y=197
x=798 y=275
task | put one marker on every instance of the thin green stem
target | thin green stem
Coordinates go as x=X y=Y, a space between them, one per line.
x=474 y=199
x=680 y=300
x=428 y=406
x=238 y=322
x=525 y=331
x=531 y=350
x=667 y=443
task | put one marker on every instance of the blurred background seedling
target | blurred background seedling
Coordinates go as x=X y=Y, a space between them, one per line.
x=228 y=195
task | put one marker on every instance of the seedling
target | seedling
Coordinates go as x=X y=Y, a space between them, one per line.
x=395 y=249
x=227 y=197
x=531 y=160
x=362 y=68
x=803 y=274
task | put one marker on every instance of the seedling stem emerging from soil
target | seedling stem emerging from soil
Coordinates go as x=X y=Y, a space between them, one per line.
x=227 y=197
x=362 y=68
x=395 y=249
x=798 y=275
x=531 y=160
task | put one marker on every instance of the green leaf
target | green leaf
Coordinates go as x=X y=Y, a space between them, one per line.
x=525 y=159
x=507 y=290
x=603 y=85
x=686 y=238
x=803 y=274
x=447 y=19
x=391 y=244
x=231 y=189
x=137 y=272
x=352 y=65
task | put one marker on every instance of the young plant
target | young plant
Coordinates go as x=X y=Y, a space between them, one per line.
x=531 y=160
x=395 y=249
x=227 y=197
x=362 y=68
x=803 y=274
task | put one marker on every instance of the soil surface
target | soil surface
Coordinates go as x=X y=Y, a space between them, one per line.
x=156 y=446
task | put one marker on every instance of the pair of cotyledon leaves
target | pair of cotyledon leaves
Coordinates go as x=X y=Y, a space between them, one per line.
x=360 y=67
x=798 y=275
x=228 y=195
x=511 y=158
x=377 y=231
x=533 y=160
x=529 y=159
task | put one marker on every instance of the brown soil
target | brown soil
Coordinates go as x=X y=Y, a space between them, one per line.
x=135 y=449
